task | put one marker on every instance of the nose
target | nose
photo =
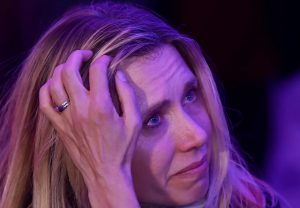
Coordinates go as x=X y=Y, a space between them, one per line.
x=190 y=134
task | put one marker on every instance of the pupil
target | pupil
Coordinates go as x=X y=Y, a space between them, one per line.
x=154 y=120
x=190 y=96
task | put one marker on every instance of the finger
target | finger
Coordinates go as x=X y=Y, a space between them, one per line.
x=45 y=104
x=99 y=86
x=71 y=78
x=46 y=107
x=131 y=110
x=56 y=88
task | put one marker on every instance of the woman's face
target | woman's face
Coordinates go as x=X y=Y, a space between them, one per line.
x=176 y=130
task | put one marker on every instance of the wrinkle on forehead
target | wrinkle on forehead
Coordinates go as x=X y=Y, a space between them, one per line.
x=145 y=78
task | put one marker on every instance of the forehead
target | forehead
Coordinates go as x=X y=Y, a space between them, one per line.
x=157 y=75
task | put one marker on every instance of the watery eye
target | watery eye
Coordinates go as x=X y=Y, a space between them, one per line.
x=190 y=97
x=154 y=121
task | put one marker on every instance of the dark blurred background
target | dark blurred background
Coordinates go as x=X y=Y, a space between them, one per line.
x=252 y=47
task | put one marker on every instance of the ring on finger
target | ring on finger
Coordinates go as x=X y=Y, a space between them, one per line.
x=63 y=106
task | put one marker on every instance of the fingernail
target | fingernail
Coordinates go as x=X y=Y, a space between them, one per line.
x=121 y=76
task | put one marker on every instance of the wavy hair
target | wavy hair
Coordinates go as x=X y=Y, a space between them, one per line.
x=35 y=170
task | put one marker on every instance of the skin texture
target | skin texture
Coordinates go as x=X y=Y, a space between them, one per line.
x=128 y=158
x=173 y=136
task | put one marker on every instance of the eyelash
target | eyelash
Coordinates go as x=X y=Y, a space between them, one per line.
x=157 y=115
x=194 y=91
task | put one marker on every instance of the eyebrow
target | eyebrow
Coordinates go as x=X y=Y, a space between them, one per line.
x=156 y=107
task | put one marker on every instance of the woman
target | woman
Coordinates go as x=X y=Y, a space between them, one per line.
x=114 y=108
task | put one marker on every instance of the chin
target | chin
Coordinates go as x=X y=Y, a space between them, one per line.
x=195 y=194
x=176 y=195
x=179 y=198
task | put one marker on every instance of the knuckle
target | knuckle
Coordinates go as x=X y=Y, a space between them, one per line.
x=42 y=104
x=101 y=102
x=95 y=118
x=43 y=107
x=57 y=70
x=99 y=107
x=80 y=116
x=66 y=74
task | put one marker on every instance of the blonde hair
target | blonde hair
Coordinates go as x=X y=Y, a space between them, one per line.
x=34 y=168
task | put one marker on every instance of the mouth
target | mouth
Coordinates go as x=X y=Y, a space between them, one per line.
x=195 y=168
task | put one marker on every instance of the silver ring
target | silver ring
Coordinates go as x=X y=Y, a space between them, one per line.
x=63 y=106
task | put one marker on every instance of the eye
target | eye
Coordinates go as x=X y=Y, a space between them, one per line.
x=153 y=121
x=191 y=96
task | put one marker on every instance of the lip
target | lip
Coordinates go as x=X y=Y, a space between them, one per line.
x=193 y=167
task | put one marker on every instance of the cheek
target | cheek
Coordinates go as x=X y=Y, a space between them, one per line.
x=152 y=156
x=150 y=167
x=200 y=115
